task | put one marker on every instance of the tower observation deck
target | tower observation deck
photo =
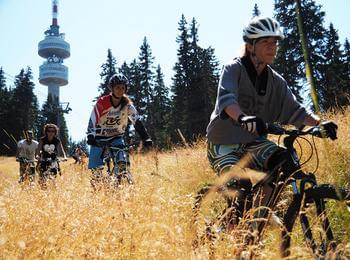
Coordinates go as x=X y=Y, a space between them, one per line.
x=54 y=49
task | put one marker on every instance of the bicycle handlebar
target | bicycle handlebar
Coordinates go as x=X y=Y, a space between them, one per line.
x=103 y=143
x=276 y=129
x=25 y=160
x=57 y=159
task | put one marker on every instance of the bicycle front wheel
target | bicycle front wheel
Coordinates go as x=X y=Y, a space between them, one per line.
x=314 y=220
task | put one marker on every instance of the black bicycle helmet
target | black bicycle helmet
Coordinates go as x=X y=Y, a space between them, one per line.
x=118 y=79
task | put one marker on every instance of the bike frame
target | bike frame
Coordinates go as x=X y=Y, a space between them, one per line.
x=300 y=182
x=28 y=164
x=305 y=191
x=281 y=181
x=119 y=155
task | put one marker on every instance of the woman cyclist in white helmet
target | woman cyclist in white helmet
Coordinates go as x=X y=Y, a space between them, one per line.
x=251 y=94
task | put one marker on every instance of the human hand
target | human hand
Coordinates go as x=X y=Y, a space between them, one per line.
x=253 y=124
x=329 y=129
x=148 y=143
x=91 y=140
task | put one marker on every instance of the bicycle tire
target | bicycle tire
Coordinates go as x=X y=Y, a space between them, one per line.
x=28 y=177
x=327 y=191
x=121 y=172
x=209 y=221
x=316 y=195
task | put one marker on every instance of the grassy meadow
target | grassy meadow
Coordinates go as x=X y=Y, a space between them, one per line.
x=149 y=220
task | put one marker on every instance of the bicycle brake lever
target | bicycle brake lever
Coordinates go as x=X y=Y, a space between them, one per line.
x=317 y=131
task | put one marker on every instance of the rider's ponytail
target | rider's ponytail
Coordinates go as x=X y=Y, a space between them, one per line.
x=125 y=101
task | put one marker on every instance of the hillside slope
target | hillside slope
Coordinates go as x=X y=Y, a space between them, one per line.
x=150 y=219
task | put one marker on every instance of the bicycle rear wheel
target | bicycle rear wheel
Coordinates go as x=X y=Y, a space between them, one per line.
x=214 y=212
x=315 y=224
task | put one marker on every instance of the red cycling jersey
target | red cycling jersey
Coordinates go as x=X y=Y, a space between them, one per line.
x=109 y=121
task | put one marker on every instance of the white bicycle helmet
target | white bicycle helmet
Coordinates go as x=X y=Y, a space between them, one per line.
x=260 y=27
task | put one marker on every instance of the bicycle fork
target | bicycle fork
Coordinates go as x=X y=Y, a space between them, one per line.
x=320 y=213
x=298 y=205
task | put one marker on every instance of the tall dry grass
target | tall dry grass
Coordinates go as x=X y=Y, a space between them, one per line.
x=149 y=220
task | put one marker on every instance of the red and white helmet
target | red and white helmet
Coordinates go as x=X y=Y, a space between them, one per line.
x=260 y=27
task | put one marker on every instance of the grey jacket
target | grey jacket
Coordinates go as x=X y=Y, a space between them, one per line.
x=277 y=105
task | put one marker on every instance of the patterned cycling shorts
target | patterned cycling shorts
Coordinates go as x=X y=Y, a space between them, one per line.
x=252 y=155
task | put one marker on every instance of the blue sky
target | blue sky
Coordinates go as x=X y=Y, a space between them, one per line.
x=91 y=27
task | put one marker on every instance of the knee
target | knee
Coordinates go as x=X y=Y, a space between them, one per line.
x=277 y=159
x=284 y=160
x=223 y=169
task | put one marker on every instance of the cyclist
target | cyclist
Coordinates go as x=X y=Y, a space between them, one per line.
x=109 y=119
x=50 y=146
x=77 y=154
x=251 y=94
x=26 y=151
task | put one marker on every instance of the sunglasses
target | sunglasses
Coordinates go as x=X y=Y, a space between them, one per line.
x=51 y=131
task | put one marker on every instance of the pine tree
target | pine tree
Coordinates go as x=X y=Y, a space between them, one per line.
x=287 y=60
x=2 y=80
x=160 y=110
x=49 y=110
x=194 y=84
x=180 y=83
x=209 y=71
x=24 y=104
x=63 y=131
x=4 y=96
x=146 y=73
x=132 y=71
x=6 y=143
x=346 y=60
x=146 y=84
x=335 y=92
x=134 y=90
x=290 y=61
x=202 y=85
x=256 y=11
x=125 y=70
x=194 y=95
x=108 y=69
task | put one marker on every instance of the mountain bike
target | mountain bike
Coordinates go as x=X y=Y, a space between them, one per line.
x=224 y=211
x=116 y=167
x=48 y=169
x=27 y=169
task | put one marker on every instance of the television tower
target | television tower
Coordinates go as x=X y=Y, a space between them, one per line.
x=52 y=72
